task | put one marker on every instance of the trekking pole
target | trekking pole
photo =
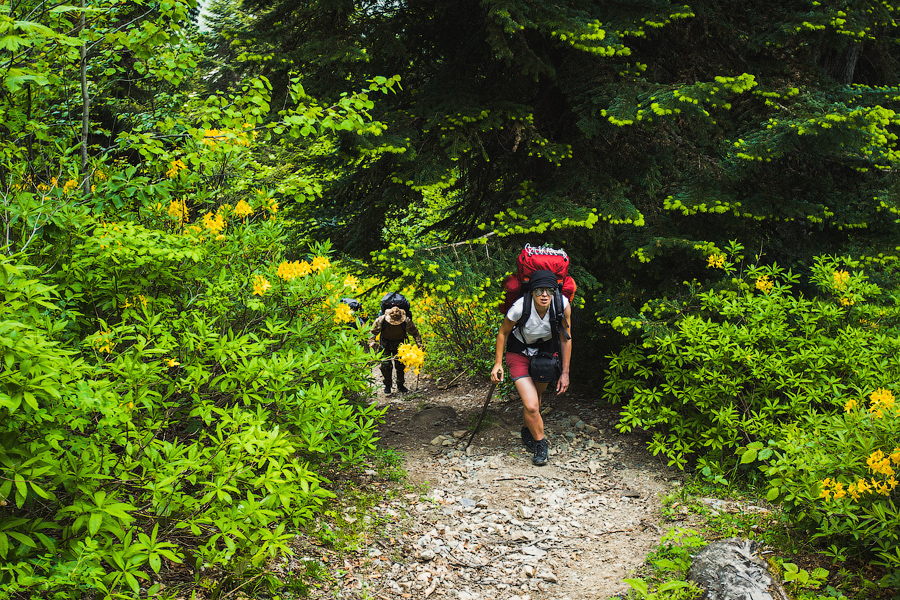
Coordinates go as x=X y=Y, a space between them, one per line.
x=483 y=412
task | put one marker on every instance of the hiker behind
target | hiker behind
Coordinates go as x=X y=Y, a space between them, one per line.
x=394 y=327
x=524 y=343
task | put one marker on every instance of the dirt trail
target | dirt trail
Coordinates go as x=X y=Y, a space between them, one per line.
x=491 y=525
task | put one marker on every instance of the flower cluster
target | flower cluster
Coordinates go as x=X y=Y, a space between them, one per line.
x=174 y=168
x=764 y=284
x=716 y=261
x=104 y=341
x=352 y=283
x=243 y=209
x=178 y=210
x=411 y=356
x=215 y=223
x=343 y=314
x=290 y=270
x=260 y=285
x=881 y=400
x=139 y=299
x=320 y=263
x=841 y=278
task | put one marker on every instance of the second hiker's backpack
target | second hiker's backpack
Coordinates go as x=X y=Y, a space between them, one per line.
x=533 y=259
x=397 y=299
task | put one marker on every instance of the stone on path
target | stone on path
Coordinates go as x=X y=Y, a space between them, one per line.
x=732 y=568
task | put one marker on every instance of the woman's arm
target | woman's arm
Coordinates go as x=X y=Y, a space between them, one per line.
x=565 y=341
x=499 y=348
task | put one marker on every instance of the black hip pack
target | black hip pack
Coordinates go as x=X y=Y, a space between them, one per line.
x=545 y=367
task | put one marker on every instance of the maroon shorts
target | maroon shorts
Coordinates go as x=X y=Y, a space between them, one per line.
x=517 y=365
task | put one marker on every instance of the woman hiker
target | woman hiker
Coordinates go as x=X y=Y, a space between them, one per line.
x=525 y=342
x=392 y=328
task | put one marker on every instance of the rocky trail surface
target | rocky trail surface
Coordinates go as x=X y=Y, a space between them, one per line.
x=485 y=523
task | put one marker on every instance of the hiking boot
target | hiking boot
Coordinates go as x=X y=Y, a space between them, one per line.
x=387 y=390
x=527 y=439
x=541 y=452
x=402 y=389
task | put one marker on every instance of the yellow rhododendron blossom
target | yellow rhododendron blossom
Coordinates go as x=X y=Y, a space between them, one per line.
x=351 y=282
x=850 y=405
x=841 y=278
x=882 y=398
x=716 y=261
x=175 y=167
x=825 y=492
x=215 y=223
x=290 y=270
x=171 y=362
x=320 y=263
x=243 y=209
x=178 y=210
x=260 y=285
x=411 y=356
x=846 y=302
x=764 y=285
x=69 y=186
x=104 y=341
x=343 y=314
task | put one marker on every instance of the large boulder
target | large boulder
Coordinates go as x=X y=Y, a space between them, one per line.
x=732 y=570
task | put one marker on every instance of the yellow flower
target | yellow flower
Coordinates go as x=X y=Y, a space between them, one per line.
x=290 y=270
x=174 y=168
x=846 y=302
x=104 y=341
x=411 y=356
x=273 y=206
x=171 y=362
x=716 y=261
x=851 y=404
x=882 y=398
x=764 y=285
x=69 y=186
x=343 y=314
x=243 y=209
x=351 y=282
x=320 y=263
x=215 y=223
x=841 y=278
x=210 y=137
x=178 y=210
x=895 y=456
x=260 y=285
x=879 y=463
x=839 y=491
x=825 y=492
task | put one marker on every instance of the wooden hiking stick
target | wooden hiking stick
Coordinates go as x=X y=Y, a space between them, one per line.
x=483 y=412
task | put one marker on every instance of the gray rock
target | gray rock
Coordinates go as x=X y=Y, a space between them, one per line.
x=731 y=569
x=549 y=576
x=590 y=429
x=426 y=555
x=525 y=512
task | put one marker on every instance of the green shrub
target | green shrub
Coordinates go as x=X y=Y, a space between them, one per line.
x=836 y=475
x=741 y=362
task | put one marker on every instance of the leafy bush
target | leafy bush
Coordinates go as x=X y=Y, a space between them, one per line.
x=460 y=332
x=192 y=421
x=751 y=357
x=836 y=474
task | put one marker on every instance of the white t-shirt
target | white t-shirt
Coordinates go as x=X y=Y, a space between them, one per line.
x=535 y=329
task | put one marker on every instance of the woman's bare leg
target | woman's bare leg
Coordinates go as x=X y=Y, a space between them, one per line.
x=531 y=402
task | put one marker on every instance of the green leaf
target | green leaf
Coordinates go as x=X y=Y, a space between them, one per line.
x=4 y=545
x=638 y=585
x=773 y=494
x=748 y=457
x=95 y=522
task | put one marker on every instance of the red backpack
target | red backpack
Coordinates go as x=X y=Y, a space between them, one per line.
x=533 y=259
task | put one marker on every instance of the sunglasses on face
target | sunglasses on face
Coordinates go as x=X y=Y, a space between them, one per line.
x=543 y=291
